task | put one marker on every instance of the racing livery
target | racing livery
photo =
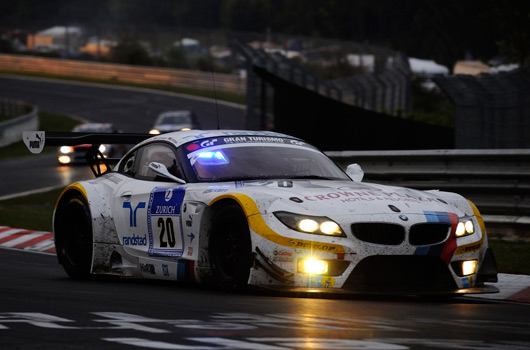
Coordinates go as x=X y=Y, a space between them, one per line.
x=239 y=208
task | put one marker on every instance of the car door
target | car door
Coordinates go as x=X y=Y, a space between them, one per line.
x=148 y=208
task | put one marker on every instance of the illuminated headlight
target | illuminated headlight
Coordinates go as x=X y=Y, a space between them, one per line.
x=319 y=225
x=465 y=268
x=64 y=159
x=465 y=227
x=154 y=132
x=313 y=266
x=185 y=129
x=102 y=148
x=66 y=149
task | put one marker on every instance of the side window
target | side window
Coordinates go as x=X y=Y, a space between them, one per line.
x=160 y=153
x=128 y=165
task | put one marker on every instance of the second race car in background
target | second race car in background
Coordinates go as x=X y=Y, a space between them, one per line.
x=76 y=154
x=174 y=121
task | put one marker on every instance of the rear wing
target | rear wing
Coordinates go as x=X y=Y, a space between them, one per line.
x=36 y=140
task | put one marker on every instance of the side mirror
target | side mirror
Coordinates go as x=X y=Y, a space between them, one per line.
x=160 y=169
x=355 y=172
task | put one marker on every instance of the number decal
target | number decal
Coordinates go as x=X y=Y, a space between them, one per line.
x=166 y=228
x=164 y=222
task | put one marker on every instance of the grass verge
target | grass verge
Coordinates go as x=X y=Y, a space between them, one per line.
x=39 y=207
x=219 y=95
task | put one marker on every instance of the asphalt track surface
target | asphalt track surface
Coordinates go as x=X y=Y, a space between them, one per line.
x=40 y=308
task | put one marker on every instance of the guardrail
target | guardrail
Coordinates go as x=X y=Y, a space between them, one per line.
x=24 y=117
x=497 y=181
x=124 y=73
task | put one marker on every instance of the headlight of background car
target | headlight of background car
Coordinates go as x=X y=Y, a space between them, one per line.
x=66 y=149
x=465 y=227
x=319 y=225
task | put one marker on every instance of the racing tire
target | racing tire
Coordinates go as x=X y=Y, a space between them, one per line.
x=73 y=236
x=230 y=248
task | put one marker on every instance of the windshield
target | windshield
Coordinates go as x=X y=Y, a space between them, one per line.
x=174 y=119
x=227 y=161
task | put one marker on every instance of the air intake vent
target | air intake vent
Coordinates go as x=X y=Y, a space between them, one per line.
x=379 y=233
x=429 y=233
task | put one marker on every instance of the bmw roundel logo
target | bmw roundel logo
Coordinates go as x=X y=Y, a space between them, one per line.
x=403 y=217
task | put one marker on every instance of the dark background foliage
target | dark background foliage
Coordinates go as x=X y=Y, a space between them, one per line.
x=443 y=30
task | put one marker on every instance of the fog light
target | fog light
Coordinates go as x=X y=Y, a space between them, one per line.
x=469 y=267
x=64 y=159
x=313 y=266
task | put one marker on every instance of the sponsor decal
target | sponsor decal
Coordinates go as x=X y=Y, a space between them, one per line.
x=253 y=139
x=444 y=250
x=215 y=190
x=148 y=268
x=165 y=270
x=466 y=282
x=34 y=140
x=191 y=236
x=328 y=282
x=208 y=143
x=190 y=251
x=132 y=212
x=164 y=222
x=135 y=240
x=314 y=245
x=189 y=222
x=346 y=196
x=252 y=183
x=296 y=142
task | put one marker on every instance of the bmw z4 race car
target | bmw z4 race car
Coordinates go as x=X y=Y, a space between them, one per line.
x=239 y=208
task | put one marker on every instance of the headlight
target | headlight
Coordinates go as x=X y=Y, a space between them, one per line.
x=319 y=225
x=102 y=148
x=154 y=132
x=465 y=227
x=66 y=149
x=64 y=159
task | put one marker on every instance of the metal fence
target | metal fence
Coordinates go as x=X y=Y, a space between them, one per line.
x=491 y=110
x=382 y=82
x=497 y=181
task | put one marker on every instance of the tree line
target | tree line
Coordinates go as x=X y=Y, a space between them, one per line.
x=443 y=30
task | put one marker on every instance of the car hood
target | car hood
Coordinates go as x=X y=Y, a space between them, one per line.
x=331 y=198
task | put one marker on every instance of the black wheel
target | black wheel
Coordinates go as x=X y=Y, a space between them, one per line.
x=73 y=236
x=230 y=248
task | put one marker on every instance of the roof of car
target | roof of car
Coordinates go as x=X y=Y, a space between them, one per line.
x=181 y=137
x=94 y=127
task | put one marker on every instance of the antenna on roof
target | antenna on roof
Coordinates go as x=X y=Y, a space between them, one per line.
x=216 y=107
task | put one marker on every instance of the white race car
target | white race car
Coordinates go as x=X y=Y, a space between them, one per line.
x=247 y=208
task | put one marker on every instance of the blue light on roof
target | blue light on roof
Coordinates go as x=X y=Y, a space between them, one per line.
x=211 y=158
